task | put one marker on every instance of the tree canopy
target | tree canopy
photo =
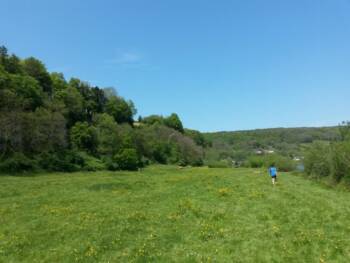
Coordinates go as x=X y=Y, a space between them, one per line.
x=48 y=122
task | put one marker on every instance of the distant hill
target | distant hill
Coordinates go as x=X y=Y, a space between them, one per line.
x=239 y=145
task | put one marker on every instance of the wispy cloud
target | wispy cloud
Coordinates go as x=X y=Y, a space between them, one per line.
x=127 y=58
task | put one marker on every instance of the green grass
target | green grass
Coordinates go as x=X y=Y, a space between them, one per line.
x=166 y=214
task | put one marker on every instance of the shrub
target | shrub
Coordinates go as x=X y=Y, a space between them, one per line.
x=18 y=162
x=91 y=163
x=160 y=152
x=283 y=164
x=127 y=159
x=63 y=161
x=198 y=162
x=110 y=164
x=255 y=162
x=340 y=162
x=83 y=137
x=164 y=145
x=144 y=161
x=219 y=164
x=329 y=160
x=317 y=160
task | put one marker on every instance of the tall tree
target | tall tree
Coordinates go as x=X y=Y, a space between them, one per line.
x=121 y=110
x=344 y=129
x=73 y=102
x=108 y=140
x=84 y=137
x=36 y=69
x=173 y=121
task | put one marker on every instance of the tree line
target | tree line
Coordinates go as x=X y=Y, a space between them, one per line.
x=50 y=123
x=330 y=161
x=285 y=143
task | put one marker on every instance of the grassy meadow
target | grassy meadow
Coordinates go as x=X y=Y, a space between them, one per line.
x=166 y=214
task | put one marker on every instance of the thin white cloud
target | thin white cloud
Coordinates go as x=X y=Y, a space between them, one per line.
x=126 y=58
x=129 y=60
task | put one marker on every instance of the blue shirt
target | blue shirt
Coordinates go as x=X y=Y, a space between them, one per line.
x=273 y=171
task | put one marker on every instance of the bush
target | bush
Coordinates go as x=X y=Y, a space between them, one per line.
x=340 y=162
x=283 y=164
x=18 y=162
x=198 y=162
x=161 y=152
x=144 y=161
x=329 y=160
x=317 y=160
x=219 y=164
x=127 y=159
x=255 y=162
x=164 y=145
x=84 y=137
x=91 y=163
x=63 y=161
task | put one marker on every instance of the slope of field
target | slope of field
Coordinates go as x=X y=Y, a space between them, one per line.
x=166 y=214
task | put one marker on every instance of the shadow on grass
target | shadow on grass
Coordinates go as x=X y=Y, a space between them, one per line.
x=110 y=187
x=23 y=174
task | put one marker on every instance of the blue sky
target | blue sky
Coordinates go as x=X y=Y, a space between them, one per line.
x=221 y=65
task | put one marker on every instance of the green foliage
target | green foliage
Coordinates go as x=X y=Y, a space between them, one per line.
x=59 y=83
x=91 y=163
x=197 y=137
x=108 y=140
x=282 y=163
x=31 y=132
x=127 y=159
x=70 y=125
x=220 y=164
x=18 y=91
x=63 y=161
x=289 y=142
x=11 y=64
x=256 y=162
x=152 y=119
x=84 y=137
x=344 y=130
x=37 y=70
x=93 y=98
x=340 y=163
x=317 y=160
x=174 y=122
x=73 y=102
x=165 y=145
x=45 y=131
x=121 y=110
x=329 y=160
x=28 y=90
x=160 y=152
x=16 y=163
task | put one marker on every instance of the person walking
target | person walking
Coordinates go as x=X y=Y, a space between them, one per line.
x=273 y=173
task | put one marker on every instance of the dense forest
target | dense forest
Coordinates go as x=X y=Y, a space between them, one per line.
x=50 y=123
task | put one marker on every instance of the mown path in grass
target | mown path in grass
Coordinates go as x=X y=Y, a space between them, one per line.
x=166 y=214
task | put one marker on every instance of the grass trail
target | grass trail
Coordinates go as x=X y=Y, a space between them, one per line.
x=166 y=214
